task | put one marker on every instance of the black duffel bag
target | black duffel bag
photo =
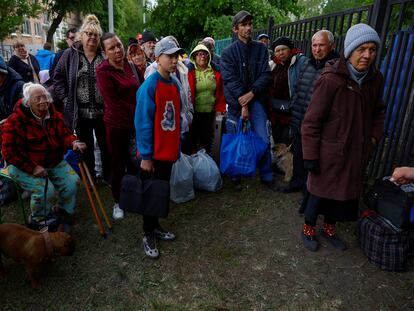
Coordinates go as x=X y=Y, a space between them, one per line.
x=391 y=201
x=281 y=105
x=145 y=196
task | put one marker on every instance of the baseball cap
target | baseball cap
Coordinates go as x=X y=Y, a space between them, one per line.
x=166 y=46
x=262 y=35
x=241 y=16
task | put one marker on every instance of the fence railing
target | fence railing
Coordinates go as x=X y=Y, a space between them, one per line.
x=6 y=51
x=301 y=32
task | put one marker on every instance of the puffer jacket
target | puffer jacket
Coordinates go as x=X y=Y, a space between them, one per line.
x=296 y=64
x=305 y=84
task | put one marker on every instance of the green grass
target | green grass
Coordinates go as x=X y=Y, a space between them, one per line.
x=234 y=251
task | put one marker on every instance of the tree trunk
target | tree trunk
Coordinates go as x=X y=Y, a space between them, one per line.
x=55 y=24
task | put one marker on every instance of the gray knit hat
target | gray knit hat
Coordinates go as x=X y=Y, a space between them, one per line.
x=357 y=35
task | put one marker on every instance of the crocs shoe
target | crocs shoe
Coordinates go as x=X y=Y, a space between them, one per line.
x=150 y=246
x=161 y=234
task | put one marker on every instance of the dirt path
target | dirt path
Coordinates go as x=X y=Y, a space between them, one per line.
x=235 y=251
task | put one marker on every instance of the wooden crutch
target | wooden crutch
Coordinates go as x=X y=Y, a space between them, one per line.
x=97 y=196
x=92 y=204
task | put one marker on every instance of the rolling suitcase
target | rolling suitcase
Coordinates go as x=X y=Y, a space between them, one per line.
x=219 y=126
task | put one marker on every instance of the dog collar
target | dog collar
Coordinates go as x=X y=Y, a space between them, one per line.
x=48 y=242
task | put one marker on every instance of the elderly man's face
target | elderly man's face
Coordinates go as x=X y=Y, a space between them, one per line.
x=39 y=101
x=149 y=47
x=321 y=46
x=363 y=56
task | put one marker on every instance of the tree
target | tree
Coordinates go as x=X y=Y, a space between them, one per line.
x=331 y=6
x=13 y=12
x=58 y=9
x=193 y=19
x=127 y=17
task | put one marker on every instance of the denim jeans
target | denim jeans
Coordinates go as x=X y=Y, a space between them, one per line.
x=262 y=127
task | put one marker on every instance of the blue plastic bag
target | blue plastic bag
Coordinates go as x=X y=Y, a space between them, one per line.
x=241 y=152
x=72 y=158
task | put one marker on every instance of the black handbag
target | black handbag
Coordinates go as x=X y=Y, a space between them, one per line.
x=391 y=201
x=281 y=105
x=148 y=197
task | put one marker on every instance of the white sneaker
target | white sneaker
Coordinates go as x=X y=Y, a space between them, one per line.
x=118 y=213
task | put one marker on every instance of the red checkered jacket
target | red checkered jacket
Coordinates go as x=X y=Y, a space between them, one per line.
x=26 y=144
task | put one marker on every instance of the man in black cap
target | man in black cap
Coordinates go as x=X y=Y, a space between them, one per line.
x=246 y=77
x=148 y=45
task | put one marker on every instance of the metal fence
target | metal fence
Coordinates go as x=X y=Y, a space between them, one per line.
x=394 y=22
x=6 y=51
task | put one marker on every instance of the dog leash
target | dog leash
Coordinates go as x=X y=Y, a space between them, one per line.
x=45 y=202
x=48 y=242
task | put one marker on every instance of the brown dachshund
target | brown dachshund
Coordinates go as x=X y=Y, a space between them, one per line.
x=32 y=248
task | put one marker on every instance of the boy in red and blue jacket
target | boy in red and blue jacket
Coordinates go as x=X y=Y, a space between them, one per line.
x=157 y=124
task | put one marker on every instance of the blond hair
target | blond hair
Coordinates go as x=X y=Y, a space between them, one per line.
x=91 y=24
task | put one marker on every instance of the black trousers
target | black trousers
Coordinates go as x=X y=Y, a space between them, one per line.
x=299 y=173
x=84 y=131
x=201 y=131
x=162 y=170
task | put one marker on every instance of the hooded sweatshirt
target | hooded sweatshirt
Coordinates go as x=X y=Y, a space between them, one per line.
x=45 y=59
x=206 y=85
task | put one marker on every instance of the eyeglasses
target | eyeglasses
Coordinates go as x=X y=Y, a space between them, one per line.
x=91 y=34
x=40 y=98
x=202 y=54
x=19 y=46
x=72 y=38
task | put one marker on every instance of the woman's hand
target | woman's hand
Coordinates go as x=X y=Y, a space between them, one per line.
x=78 y=145
x=147 y=166
x=39 y=171
x=403 y=175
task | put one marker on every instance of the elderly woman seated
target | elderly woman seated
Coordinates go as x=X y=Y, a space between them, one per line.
x=35 y=139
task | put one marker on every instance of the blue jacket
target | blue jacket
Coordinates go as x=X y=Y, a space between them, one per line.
x=10 y=93
x=45 y=59
x=244 y=68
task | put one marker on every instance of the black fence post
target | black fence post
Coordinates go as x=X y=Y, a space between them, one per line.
x=377 y=18
x=270 y=24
